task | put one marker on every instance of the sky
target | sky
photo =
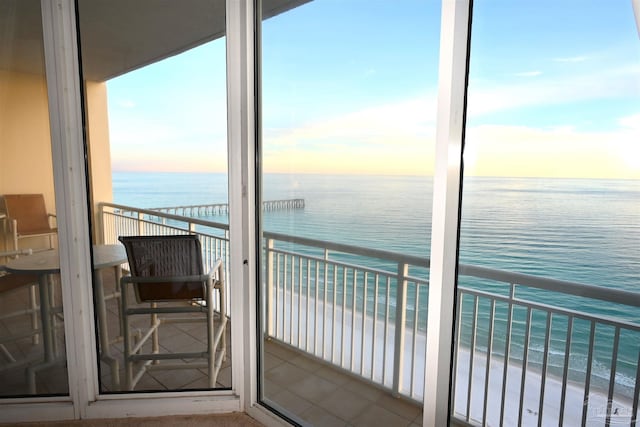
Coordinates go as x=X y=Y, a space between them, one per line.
x=351 y=87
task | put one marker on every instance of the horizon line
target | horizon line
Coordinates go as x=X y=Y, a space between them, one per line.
x=380 y=174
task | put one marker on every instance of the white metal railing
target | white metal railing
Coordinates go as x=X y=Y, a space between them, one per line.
x=527 y=347
x=526 y=357
x=325 y=299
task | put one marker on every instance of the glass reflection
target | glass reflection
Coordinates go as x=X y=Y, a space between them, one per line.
x=32 y=344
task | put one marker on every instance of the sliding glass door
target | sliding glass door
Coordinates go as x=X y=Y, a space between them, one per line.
x=155 y=91
x=548 y=327
x=347 y=141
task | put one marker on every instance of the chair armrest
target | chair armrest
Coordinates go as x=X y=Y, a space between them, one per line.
x=53 y=218
x=218 y=268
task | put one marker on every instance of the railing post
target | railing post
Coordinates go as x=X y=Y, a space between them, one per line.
x=101 y=224
x=192 y=227
x=400 y=325
x=141 y=224
x=269 y=276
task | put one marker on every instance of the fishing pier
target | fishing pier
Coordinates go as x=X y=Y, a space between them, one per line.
x=223 y=208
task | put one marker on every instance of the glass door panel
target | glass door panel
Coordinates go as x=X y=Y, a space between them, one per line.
x=32 y=345
x=347 y=142
x=155 y=108
x=548 y=326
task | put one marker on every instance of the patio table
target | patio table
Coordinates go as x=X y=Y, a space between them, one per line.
x=46 y=263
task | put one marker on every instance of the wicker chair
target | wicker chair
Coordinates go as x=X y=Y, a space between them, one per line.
x=167 y=276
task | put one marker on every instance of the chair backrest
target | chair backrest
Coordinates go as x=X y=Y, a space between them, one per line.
x=29 y=211
x=165 y=256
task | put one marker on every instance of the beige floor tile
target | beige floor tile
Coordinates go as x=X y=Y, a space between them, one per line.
x=270 y=389
x=320 y=417
x=291 y=401
x=418 y=418
x=313 y=388
x=285 y=374
x=377 y=416
x=363 y=389
x=13 y=382
x=147 y=383
x=280 y=351
x=224 y=377
x=270 y=361
x=345 y=404
x=53 y=380
x=176 y=379
x=399 y=406
x=202 y=383
x=333 y=375
x=307 y=363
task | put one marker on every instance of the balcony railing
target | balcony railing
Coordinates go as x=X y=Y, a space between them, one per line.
x=349 y=306
x=529 y=350
x=539 y=351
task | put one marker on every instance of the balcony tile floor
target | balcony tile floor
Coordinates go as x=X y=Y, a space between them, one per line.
x=321 y=395
x=294 y=383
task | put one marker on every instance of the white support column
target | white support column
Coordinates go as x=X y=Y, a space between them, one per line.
x=451 y=112
x=67 y=146
x=241 y=107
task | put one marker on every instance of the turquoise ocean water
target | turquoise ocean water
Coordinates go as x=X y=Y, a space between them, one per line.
x=577 y=230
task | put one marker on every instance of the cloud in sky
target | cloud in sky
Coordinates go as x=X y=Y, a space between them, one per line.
x=395 y=138
x=528 y=74
x=491 y=97
x=389 y=123
x=632 y=122
x=126 y=103
x=491 y=150
x=139 y=142
x=400 y=138
x=579 y=58
x=498 y=150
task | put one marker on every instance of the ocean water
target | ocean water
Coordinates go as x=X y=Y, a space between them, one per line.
x=578 y=230
x=584 y=231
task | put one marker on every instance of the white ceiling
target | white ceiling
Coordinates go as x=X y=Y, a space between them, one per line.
x=118 y=36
